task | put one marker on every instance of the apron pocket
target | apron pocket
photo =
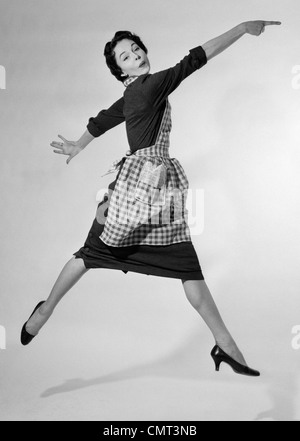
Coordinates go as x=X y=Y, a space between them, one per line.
x=151 y=186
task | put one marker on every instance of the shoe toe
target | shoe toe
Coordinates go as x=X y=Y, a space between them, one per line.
x=25 y=336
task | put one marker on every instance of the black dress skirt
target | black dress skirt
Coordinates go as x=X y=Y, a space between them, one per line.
x=177 y=261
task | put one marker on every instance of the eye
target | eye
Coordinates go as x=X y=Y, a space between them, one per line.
x=137 y=48
x=125 y=58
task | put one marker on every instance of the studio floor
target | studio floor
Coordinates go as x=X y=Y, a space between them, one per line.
x=119 y=368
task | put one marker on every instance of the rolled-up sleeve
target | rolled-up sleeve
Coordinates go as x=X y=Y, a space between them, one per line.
x=158 y=86
x=106 y=119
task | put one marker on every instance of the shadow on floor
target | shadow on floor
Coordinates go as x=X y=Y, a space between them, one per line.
x=283 y=391
x=185 y=363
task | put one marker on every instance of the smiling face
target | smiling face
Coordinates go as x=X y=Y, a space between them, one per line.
x=131 y=58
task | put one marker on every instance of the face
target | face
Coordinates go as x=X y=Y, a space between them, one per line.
x=131 y=58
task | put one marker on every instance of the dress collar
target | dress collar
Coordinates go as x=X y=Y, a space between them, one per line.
x=129 y=80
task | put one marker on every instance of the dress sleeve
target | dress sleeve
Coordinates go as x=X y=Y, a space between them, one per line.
x=158 y=86
x=107 y=119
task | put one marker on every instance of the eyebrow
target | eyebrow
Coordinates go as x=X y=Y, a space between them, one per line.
x=125 y=51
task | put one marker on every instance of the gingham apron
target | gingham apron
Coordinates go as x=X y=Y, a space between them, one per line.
x=148 y=203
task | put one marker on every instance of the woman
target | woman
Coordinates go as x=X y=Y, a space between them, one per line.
x=140 y=224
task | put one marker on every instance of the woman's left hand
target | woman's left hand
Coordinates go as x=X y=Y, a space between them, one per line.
x=69 y=148
x=257 y=27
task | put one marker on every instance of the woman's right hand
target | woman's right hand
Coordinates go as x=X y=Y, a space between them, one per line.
x=257 y=27
x=69 y=148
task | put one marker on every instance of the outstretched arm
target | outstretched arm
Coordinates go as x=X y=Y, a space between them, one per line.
x=219 y=44
x=105 y=120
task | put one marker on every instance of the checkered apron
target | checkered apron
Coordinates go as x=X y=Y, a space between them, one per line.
x=147 y=205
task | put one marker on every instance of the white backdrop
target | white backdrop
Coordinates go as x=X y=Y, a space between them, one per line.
x=235 y=131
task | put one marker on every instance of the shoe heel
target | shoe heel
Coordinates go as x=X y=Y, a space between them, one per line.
x=217 y=363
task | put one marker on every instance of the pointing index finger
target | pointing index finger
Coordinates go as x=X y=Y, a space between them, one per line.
x=268 y=23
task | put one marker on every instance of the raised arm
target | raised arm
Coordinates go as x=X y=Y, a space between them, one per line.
x=219 y=44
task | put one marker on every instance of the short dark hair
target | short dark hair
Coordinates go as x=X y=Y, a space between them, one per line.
x=109 y=52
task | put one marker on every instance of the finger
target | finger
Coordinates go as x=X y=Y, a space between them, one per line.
x=270 y=23
x=60 y=152
x=57 y=144
x=69 y=159
x=61 y=137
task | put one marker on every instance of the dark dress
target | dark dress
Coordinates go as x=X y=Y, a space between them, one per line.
x=142 y=108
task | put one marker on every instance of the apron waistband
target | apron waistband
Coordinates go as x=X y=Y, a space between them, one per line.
x=160 y=150
x=156 y=150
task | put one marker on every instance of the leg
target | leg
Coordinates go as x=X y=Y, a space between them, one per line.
x=199 y=296
x=69 y=276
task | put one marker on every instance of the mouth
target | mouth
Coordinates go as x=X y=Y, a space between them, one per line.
x=142 y=64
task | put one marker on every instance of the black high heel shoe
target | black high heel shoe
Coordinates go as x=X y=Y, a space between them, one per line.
x=219 y=355
x=25 y=336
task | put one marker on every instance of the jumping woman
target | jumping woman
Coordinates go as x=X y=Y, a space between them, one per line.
x=141 y=222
